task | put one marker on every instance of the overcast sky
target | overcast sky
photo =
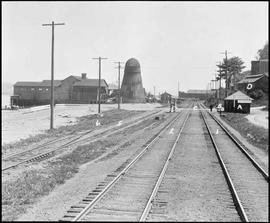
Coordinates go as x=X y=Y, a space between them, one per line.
x=173 y=41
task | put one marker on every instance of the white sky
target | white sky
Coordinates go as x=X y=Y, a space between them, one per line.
x=173 y=41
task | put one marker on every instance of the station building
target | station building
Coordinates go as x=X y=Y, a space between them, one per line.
x=73 y=89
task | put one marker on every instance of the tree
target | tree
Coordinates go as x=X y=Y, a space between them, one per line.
x=234 y=67
x=263 y=53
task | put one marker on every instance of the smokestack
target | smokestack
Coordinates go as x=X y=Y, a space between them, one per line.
x=83 y=75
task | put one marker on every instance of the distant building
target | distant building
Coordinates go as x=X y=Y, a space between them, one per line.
x=73 y=89
x=112 y=90
x=165 y=97
x=196 y=94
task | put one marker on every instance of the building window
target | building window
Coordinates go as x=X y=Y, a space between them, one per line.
x=40 y=89
x=47 y=89
x=32 y=89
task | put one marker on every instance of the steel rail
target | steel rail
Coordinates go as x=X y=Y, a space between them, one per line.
x=66 y=137
x=117 y=178
x=161 y=176
x=242 y=149
x=73 y=142
x=237 y=202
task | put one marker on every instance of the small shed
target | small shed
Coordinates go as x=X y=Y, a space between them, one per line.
x=238 y=102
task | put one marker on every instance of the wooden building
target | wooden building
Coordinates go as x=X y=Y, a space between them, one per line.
x=86 y=91
x=252 y=82
x=73 y=89
x=165 y=97
x=238 y=102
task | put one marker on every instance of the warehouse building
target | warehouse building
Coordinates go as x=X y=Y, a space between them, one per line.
x=73 y=89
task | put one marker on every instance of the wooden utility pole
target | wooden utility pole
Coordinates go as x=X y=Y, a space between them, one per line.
x=52 y=69
x=99 y=79
x=119 y=67
x=215 y=80
x=178 y=90
x=226 y=72
x=219 y=81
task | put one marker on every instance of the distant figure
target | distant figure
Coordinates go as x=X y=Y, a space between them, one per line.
x=172 y=104
x=211 y=107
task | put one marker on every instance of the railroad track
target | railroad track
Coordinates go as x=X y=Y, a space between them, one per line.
x=36 y=154
x=126 y=194
x=247 y=181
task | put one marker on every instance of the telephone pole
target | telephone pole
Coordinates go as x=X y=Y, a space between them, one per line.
x=215 y=80
x=99 y=79
x=178 y=90
x=52 y=69
x=119 y=67
x=154 y=94
x=226 y=71
x=219 y=94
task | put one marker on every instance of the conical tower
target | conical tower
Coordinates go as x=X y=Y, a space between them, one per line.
x=132 y=90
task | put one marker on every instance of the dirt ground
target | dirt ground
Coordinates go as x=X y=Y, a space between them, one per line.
x=258 y=117
x=23 y=123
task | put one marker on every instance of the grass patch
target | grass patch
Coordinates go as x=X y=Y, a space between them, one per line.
x=20 y=194
x=256 y=135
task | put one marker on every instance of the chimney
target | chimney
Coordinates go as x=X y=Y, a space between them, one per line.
x=83 y=75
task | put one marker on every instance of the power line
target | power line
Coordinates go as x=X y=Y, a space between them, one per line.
x=52 y=69
x=99 y=79
x=119 y=67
